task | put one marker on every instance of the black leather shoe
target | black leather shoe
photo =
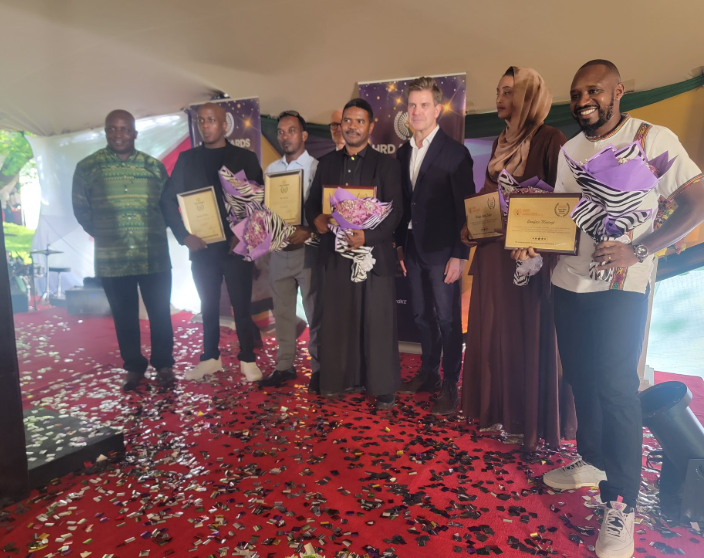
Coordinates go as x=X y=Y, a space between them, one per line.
x=165 y=377
x=446 y=404
x=131 y=381
x=385 y=402
x=314 y=385
x=278 y=377
x=423 y=381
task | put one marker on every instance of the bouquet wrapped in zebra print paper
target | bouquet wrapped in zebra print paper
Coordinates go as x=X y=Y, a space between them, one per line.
x=614 y=183
x=239 y=192
x=351 y=212
x=509 y=186
x=261 y=231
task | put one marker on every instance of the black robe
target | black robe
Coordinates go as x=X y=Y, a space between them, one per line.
x=358 y=336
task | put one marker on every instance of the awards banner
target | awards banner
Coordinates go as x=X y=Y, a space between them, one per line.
x=391 y=130
x=243 y=123
x=389 y=103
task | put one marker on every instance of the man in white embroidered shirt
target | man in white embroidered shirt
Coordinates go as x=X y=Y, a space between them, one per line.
x=601 y=324
x=297 y=266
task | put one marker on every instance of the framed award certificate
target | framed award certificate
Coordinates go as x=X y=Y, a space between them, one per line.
x=358 y=191
x=484 y=215
x=201 y=215
x=543 y=222
x=283 y=194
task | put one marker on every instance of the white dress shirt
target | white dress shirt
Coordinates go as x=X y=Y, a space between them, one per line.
x=417 y=156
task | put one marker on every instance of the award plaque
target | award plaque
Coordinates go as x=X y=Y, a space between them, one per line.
x=201 y=215
x=283 y=194
x=483 y=215
x=543 y=222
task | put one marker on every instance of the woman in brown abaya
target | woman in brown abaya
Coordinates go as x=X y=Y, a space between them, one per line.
x=511 y=371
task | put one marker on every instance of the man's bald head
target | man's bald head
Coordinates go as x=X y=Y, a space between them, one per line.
x=608 y=67
x=120 y=132
x=336 y=129
x=212 y=123
x=215 y=108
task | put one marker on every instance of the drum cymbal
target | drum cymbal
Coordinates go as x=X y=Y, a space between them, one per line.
x=46 y=252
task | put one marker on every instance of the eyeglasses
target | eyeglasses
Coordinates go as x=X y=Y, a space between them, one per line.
x=335 y=125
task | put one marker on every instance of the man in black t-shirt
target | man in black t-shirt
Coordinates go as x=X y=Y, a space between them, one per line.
x=210 y=263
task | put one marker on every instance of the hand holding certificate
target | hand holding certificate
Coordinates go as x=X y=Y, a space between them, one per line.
x=483 y=216
x=542 y=222
x=283 y=194
x=201 y=215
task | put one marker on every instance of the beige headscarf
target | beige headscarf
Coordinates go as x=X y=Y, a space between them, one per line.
x=531 y=105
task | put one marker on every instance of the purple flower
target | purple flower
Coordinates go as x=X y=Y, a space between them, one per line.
x=509 y=186
x=614 y=184
x=260 y=232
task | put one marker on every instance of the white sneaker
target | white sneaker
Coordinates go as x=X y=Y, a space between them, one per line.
x=616 y=532
x=204 y=368
x=574 y=475
x=251 y=371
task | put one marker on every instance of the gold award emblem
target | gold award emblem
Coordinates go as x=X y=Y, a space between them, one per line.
x=562 y=209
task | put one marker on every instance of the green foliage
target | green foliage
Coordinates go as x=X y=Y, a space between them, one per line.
x=17 y=152
x=18 y=239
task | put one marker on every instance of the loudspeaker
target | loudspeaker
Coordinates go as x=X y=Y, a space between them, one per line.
x=20 y=303
x=87 y=301
x=693 y=493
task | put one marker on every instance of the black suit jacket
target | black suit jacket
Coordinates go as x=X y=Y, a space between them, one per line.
x=382 y=171
x=190 y=174
x=436 y=204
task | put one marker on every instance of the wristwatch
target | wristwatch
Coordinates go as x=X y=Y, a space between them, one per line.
x=641 y=252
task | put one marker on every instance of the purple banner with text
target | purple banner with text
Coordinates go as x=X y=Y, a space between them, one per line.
x=389 y=102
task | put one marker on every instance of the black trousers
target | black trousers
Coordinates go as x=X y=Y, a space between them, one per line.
x=600 y=337
x=209 y=267
x=437 y=310
x=123 y=298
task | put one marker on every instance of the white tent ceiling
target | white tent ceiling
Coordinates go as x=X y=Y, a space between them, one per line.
x=65 y=63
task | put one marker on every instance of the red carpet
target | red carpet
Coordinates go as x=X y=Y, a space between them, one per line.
x=223 y=469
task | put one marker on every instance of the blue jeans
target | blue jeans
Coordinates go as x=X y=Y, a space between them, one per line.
x=437 y=310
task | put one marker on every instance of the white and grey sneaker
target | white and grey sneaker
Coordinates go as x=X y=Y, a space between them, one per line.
x=251 y=371
x=575 y=475
x=204 y=368
x=616 y=532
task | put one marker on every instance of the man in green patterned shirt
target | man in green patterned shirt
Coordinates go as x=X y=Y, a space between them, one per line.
x=116 y=194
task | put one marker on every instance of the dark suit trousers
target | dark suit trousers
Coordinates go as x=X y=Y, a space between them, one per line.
x=600 y=337
x=123 y=298
x=437 y=310
x=209 y=267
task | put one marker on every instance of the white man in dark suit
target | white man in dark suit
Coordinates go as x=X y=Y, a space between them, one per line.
x=437 y=177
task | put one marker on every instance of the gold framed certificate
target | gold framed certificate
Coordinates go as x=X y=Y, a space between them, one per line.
x=201 y=215
x=484 y=215
x=543 y=222
x=283 y=194
x=357 y=191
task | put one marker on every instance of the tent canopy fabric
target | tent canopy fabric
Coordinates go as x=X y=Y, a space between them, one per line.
x=67 y=63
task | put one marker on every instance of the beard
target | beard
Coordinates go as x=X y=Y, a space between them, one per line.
x=605 y=114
